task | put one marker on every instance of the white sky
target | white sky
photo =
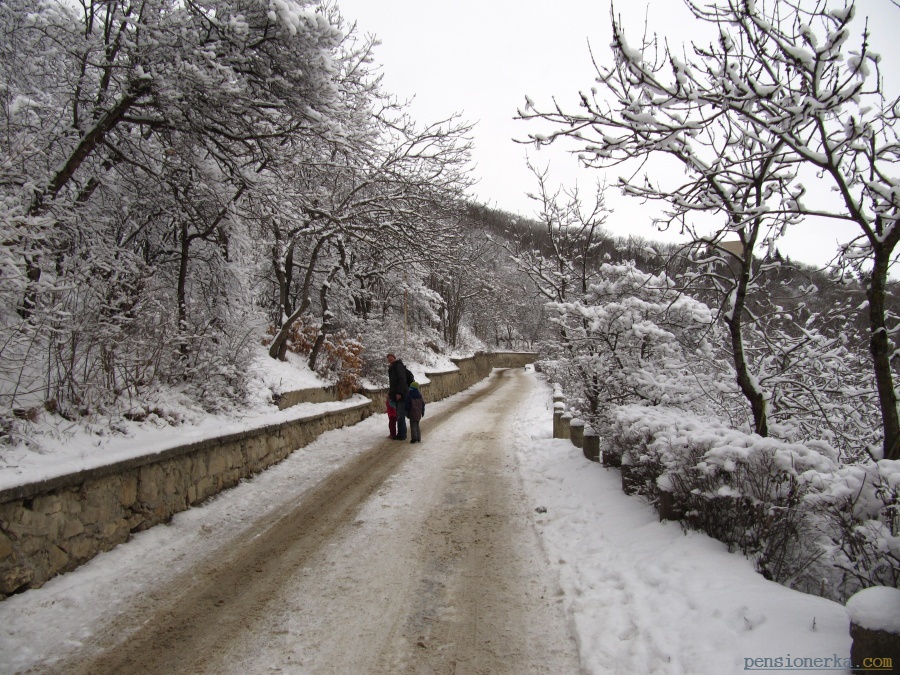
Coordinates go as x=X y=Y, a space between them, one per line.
x=481 y=57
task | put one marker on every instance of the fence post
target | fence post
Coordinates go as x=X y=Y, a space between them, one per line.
x=875 y=629
x=591 y=444
x=576 y=432
x=558 y=396
x=565 y=425
x=558 y=409
x=668 y=509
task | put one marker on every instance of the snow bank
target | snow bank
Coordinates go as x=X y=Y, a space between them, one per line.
x=647 y=597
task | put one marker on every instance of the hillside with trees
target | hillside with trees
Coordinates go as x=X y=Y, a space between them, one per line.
x=188 y=187
x=183 y=182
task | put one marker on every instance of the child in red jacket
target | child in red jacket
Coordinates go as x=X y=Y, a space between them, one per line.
x=392 y=417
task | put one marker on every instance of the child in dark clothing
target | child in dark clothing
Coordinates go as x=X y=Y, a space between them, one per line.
x=392 y=417
x=415 y=411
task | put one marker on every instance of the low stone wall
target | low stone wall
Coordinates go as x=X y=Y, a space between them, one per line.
x=441 y=384
x=512 y=359
x=472 y=369
x=316 y=395
x=53 y=526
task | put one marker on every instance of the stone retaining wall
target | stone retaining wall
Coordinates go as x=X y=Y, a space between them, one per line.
x=53 y=526
x=316 y=395
x=512 y=359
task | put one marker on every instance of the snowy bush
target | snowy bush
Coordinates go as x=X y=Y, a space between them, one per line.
x=802 y=517
x=646 y=363
x=861 y=506
x=342 y=356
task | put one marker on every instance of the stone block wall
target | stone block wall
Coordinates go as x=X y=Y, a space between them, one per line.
x=315 y=395
x=512 y=359
x=53 y=526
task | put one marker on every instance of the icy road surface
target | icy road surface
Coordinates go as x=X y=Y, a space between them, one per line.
x=358 y=556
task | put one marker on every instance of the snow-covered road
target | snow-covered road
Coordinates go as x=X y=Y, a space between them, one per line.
x=361 y=555
x=395 y=559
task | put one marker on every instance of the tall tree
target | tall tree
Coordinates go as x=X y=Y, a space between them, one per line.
x=130 y=131
x=790 y=105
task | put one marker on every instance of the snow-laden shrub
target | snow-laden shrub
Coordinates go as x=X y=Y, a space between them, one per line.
x=341 y=357
x=804 y=519
x=861 y=506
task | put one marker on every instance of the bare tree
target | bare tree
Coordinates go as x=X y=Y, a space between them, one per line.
x=571 y=234
x=392 y=195
x=777 y=102
x=563 y=272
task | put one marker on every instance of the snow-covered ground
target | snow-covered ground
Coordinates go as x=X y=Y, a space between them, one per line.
x=643 y=596
x=648 y=598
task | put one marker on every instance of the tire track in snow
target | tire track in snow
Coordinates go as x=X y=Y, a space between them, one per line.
x=184 y=626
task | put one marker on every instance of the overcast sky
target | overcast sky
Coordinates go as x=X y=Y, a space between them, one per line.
x=482 y=57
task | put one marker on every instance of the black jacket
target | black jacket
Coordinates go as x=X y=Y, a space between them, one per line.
x=397 y=380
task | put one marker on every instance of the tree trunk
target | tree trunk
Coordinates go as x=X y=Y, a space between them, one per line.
x=278 y=349
x=281 y=277
x=33 y=274
x=879 y=346
x=87 y=145
x=81 y=152
x=454 y=316
x=745 y=381
x=748 y=387
x=181 y=291
x=326 y=318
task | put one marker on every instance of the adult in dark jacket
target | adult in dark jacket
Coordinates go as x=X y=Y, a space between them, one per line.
x=397 y=389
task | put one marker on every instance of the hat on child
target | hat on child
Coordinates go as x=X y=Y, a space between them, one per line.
x=414 y=385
